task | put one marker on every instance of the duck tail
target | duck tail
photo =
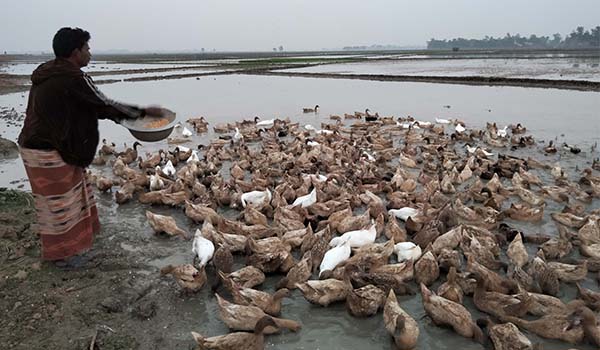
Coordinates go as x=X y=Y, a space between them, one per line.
x=200 y=340
x=289 y=324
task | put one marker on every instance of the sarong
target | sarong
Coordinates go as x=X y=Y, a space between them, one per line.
x=67 y=217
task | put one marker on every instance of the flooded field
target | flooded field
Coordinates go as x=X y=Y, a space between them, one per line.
x=538 y=68
x=564 y=116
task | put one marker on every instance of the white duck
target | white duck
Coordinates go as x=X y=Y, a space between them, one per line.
x=255 y=197
x=266 y=123
x=312 y=143
x=306 y=200
x=406 y=251
x=403 y=213
x=442 y=121
x=502 y=132
x=310 y=127
x=324 y=132
x=370 y=158
x=357 y=238
x=156 y=183
x=202 y=248
x=460 y=128
x=169 y=169
x=335 y=256
x=315 y=177
x=194 y=157
x=238 y=137
x=186 y=132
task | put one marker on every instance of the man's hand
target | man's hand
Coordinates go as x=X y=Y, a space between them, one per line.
x=154 y=111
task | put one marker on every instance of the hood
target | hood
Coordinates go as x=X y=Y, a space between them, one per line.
x=56 y=67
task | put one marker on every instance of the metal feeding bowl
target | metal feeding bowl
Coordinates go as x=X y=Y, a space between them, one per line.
x=142 y=128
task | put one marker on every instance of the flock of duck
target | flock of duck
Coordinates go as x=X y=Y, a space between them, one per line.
x=362 y=213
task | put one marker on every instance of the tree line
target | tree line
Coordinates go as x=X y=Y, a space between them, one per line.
x=578 y=39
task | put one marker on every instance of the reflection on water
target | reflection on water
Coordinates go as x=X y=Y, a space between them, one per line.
x=546 y=113
x=550 y=68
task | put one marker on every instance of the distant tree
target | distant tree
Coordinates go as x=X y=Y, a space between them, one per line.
x=280 y=48
x=274 y=49
x=202 y=49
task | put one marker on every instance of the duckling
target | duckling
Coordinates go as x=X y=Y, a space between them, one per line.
x=237 y=340
x=186 y=276
x=310 y=110
x=202 y=248
x=399 y=324
x=245 y=317
x=163 y=223
x=446 y=312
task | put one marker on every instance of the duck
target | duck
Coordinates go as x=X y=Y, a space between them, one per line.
x=156 y=182
x=169 y=169
x=446 y=312
x=590 y=297
x=505 y=336
x=107 y=149
x=357 y=238
x=550 y=148
x=202 y=248
x=245 y=317
x=237 y=340
x=442 y=121
x=324 y=292
x=403 y=213
x=299 y=273
x=589 y=323
x=450 y=289
x=407 y=251
x=460 y=128
x=365 y=301
x=186 y=132
x=310 y=110
x=306 y=200
x=130 y=154
x=238 y=137
x=166 y=224
x=571 y=148
x=222 y=259
x=270 y=304
x=187 y=276
x=516 y=252
x=248 y=276
x=256 y=197
x=370 y=117
x=267 y=123
x=502 y=132
x=403 y=329
x=427 y=269
x=335 y=256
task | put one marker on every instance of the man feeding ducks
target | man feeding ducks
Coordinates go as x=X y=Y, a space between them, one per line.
x=59 y=140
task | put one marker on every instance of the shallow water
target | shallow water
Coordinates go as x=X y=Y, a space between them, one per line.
x=546 y=113
x=549 y=68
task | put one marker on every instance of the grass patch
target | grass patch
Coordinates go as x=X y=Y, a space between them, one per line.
x=14 y=200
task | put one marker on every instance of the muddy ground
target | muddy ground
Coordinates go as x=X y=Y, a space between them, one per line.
x=113 y=301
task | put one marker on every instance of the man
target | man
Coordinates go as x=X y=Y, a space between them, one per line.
x=59 y=140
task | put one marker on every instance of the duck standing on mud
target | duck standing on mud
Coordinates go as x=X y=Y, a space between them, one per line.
x=59 y=140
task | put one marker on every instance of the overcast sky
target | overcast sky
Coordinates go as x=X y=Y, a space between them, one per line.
x=246 y=25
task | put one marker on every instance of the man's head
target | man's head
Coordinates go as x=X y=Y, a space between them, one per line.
x=72 y=44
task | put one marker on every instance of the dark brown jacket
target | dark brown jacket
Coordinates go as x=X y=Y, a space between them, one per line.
x=63 y=111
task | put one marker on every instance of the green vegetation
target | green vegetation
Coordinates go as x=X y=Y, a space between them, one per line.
x=578 y=39
x=14 y=199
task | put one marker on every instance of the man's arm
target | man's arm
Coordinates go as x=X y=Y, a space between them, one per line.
x=106 y=108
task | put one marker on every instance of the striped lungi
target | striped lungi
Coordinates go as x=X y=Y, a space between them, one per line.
x=67 y=218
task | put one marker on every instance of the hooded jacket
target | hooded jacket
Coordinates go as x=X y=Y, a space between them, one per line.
x=63 y=111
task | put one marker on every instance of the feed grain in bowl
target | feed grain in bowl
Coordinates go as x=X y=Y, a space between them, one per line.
x=151 y=129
